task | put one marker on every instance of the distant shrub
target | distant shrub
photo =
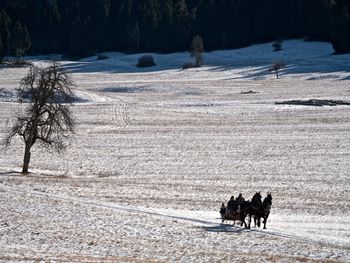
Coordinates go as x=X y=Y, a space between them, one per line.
x=188 y=65
x=145 y=61
x=102 y=57
x=276 y=67
x=23 y=63
x=16 y=64
x=277 y=45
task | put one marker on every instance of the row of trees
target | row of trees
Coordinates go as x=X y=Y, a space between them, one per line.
x=75 y=26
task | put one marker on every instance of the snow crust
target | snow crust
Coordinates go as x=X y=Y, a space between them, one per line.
x=157 y=150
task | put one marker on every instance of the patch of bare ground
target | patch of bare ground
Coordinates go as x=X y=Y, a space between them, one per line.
x=75 y=258
x=280 y=259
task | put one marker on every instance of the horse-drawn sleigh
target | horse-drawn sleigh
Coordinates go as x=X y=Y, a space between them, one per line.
x=239 y=209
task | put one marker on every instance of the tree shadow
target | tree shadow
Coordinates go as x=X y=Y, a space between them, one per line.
x=127 y=64
x=303 y=68
x=10 y=173
x=125 y=89
x=246 y=71
x=251 y=67
x=346 y=78
x=76 y=99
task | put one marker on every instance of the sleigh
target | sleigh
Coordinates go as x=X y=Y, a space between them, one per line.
x=238 y=211
x=232 y=215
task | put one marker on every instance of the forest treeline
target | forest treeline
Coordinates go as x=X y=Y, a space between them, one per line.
x=78 y=26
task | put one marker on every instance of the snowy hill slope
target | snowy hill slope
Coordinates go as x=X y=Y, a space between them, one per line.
x=157 y=150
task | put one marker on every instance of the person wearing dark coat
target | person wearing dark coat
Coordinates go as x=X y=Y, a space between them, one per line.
x=232 y=205
x=240 y=200
x=223 y=209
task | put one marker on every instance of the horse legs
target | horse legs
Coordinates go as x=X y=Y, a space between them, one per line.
x=242 y=217
x=265 y=219
x=257 y=221
x=243 y=222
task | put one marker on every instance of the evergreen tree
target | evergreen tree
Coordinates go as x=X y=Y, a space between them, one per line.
x=150 y=18
x=2 y=54
x=5 y=33
x=53 y=27
x=340 y=35
x=20 y=40
x=76 y=43
x=182 y=29
x=168 y=25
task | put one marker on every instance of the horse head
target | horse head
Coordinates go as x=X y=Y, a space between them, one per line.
x=256 y=197
x=269 y=196
x=268 y=201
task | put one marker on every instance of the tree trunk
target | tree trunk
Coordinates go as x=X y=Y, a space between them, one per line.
x=29 y=144
x=137 y=29
x=26 y=159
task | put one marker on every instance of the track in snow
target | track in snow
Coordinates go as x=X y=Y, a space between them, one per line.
x=207 y=220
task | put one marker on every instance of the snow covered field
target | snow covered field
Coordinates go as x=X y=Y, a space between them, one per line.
x=157 y=150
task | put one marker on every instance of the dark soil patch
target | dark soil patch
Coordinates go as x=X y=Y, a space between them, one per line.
x=248 y=92
x=124 y=89
x=314 y=102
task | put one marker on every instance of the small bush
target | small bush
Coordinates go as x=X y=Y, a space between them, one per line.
x=102 y=57
x=145 y=61
x=16 y=64
x=22 y=64
x=188 y=65
x=277 y=46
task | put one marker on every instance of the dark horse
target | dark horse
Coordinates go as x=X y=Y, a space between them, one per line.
x=254 y=209
x=259 y=209
x=266 y=208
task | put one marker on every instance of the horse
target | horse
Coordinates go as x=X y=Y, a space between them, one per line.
x=260 y=209
x=254 y=209
x=266 y=208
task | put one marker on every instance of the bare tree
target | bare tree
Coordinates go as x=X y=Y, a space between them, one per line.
x=276 y=67
x=197 y=49
x=47 y=118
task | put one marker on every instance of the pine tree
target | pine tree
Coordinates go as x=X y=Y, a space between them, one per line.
x=341 y=28
x=76 y=43
x=2 y=55
x=5 y=33
x=20 y=40
x=182 y=25
x=52 y=26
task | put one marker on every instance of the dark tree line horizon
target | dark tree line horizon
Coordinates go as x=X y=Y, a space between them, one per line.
x=80 y=26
